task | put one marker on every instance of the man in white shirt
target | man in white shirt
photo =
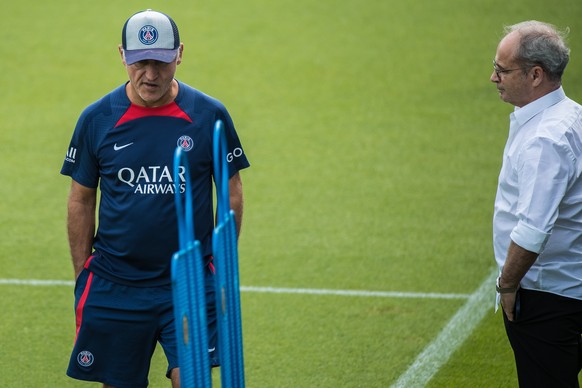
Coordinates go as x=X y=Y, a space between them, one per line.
x=537 y=223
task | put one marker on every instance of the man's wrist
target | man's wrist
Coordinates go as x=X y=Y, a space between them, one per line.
x=504 y=290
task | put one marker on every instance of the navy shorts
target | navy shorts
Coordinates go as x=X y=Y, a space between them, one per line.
x=118 y=327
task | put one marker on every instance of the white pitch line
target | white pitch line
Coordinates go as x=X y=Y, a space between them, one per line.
x=36 y=282
x=274 y=290
x=381 y=294
x=461 y=325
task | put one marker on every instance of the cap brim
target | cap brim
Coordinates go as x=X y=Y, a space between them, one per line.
x=162 y=55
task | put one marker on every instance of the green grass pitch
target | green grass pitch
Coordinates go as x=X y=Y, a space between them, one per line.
x=375 y=139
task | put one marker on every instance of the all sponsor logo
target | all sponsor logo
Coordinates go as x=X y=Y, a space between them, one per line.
x=71 y=155
x=236 y=153
x=152 y=180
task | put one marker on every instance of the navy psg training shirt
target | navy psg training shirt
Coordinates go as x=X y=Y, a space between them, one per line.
x=128 y=151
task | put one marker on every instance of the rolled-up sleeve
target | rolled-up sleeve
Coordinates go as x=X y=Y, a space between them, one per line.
x=545 y=169
x=529 y=238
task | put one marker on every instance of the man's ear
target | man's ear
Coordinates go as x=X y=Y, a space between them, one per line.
x=120 y=48
x=180 y=50
x=537 y=75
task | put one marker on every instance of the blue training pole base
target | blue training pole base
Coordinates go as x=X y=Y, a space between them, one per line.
x=190 y=318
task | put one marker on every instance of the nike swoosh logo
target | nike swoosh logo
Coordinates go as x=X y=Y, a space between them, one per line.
x=211 y=349
x=117 y=148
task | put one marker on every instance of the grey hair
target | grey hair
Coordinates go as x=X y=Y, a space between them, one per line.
x=541 y=44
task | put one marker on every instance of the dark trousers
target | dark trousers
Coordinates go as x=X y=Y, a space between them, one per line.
x=545 y=338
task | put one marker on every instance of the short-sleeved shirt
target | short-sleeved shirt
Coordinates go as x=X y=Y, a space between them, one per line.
x=127 y=150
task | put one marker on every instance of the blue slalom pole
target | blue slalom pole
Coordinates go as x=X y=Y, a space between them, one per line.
x=188 y=287
x=225 y=250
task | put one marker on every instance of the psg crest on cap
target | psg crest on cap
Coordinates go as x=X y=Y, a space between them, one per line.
x=148 y=35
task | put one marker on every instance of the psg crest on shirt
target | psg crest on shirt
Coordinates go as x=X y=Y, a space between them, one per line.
x=148 y=35
x=186 y=143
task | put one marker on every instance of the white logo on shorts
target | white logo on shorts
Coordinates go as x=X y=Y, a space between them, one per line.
x=85 y=358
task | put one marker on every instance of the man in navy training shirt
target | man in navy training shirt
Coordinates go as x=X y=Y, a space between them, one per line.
x=124 y=144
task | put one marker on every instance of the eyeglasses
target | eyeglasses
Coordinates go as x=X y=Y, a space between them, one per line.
x=499 y=71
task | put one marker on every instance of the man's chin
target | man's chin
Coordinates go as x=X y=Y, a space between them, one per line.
x=151 y=99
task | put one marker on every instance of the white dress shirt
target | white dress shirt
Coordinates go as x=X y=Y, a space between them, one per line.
x=539 y=196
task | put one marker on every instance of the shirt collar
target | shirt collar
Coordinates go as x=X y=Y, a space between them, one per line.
x=525 y=113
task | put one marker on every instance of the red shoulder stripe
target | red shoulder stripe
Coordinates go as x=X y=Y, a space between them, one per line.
x=136 y=112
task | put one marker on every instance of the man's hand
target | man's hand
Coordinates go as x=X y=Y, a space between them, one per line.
x=508 y=305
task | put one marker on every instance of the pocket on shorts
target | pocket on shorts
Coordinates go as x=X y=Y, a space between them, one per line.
x=81 y=281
